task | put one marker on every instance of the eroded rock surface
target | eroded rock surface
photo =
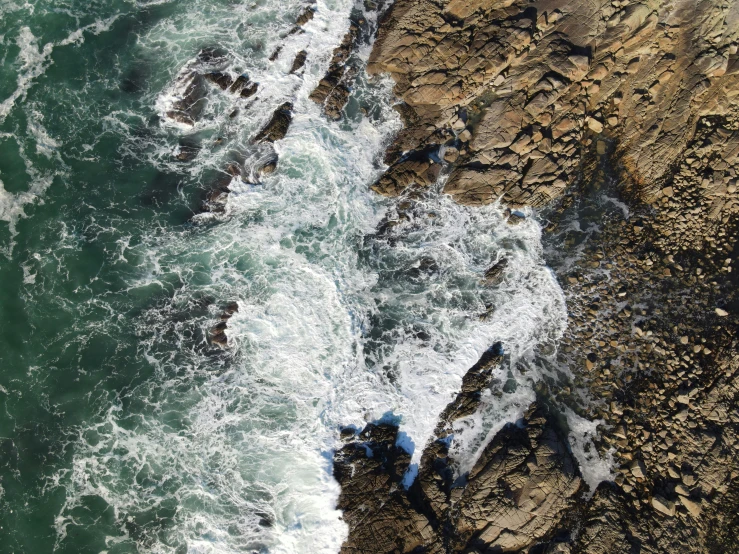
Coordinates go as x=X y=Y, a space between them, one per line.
x=513 y=496
x=621 y=120
x=516 y=86
x=277 y=127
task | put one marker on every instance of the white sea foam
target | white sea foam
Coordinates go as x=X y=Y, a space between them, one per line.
x=12 y=204
x=334 y=327
x=594 y=468
x=34 y=59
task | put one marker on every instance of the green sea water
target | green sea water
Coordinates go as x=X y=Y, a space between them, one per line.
x=122 y=429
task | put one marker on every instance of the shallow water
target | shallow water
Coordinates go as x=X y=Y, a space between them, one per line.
x=121 y=428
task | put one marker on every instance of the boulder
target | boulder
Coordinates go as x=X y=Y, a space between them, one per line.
x=277 y=127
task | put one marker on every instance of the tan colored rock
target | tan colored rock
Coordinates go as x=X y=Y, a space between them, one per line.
x=522 y=478
x=638 y=469
x=664 y=506
x=594 y=125
x=692 y=506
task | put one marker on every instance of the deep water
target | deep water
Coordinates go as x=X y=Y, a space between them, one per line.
x=122 y=429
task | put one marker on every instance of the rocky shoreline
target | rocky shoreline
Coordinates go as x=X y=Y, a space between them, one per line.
x=620 y=121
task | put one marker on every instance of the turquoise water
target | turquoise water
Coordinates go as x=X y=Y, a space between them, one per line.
x=122 y=429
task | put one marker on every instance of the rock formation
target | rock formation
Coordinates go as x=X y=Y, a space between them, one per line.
x=514 y=495
x=618 y=114
x=217 y=334
x=516 y=86
x=276 y=128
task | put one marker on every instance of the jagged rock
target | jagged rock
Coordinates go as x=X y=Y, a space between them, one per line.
x=304 y=17
x=334 y=89
x=512 y=497
x=377 y=510
x=518 y=488
x=277 y=127
x=217 y=333
x=495 y=273
x=222 y=80
x=299 y=61
x=244 y=87
x=420 y=172
x=445 y=55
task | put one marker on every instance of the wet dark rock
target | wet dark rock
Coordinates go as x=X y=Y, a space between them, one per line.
x=215 y=200
x=305 y=16
x=188 y=108
x=222 y=80
x=212 y=55
x=277 y=127
x=333 y=90
x=244 y=87
x=476 y=380
x=276 y=54
x=299 y=61
x=376 y=508
x=495 y=273
x=217 y=333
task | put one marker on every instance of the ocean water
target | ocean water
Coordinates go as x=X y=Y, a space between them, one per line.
x=122 y=429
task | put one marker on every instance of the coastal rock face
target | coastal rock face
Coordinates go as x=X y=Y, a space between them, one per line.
x=276 y=128
x=619 y=119
x=518 y=489
x=512 y=497
x=333 y=91
x=518 y=85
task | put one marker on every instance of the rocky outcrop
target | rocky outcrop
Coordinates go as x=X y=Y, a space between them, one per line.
x=299 y=61
x=217 y=334
x=523 y=482
x=333 y=90
x=217 y=195
x=189 y=92
x=620 y=117
x=517 y=86
x=277 y=127
x=381 y=517
x=512 y=498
